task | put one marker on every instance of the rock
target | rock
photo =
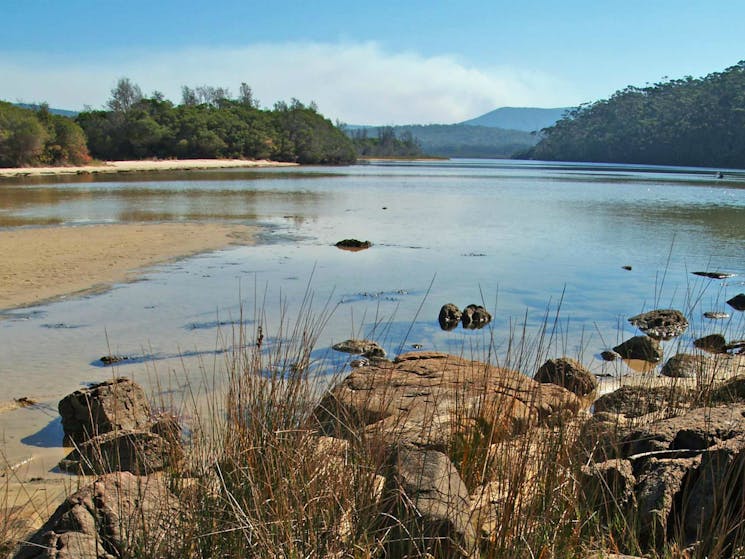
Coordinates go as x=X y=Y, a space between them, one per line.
x=426 y=496
x=714 y=498
x=111 y=359
x=713 y=343
x=426 y=398
x=353 y=245
x=685 y=365
x=636 y=401
x=737 y=302
x=732 y=390
x=608 y=487
x=599 y=437
x=568 y=373
x=658 y=485
x=366 y=348
x=102 y=408
x=449 y=316
x=627 y=268
x=112 y=517
x=475 y=317
x=640 y=347
x=714 y=275
x=608 y=355
x=713 y=315
x=661 y=324
x=139 y=452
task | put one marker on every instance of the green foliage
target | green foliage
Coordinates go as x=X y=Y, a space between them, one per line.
x=698 y=122
x=29 y=137
x=387 y=144
x=210 y=125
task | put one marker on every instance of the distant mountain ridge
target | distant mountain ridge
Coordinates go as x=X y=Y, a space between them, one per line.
x=36 y=107
x=527 y=119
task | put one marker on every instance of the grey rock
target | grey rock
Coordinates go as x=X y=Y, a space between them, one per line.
x=737 y=302
x=608 y=486
x=637 y=401
x=713 y=343
x=475 y=317
x=366 y=348
x=449 y=316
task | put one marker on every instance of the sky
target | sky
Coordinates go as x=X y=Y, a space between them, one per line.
x=382 y=62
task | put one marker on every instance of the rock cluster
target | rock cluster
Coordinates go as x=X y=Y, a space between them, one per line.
x=472 y=317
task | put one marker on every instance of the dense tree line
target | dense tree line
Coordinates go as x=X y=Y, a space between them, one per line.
x=38 y=137
x=209 y=124
x=697 y=122
x=385 y=144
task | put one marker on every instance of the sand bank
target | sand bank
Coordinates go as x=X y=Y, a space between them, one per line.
x=45 y=263
x=134 y=166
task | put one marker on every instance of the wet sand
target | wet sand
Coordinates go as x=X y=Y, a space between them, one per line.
x=134 y=166
x=46 y=263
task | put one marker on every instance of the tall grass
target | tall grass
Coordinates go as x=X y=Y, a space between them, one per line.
x=260 y=480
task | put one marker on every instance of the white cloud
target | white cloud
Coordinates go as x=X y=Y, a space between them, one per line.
x=354 y=82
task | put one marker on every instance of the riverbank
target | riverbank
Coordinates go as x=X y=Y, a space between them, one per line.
x=49 y=262
x=141 y=166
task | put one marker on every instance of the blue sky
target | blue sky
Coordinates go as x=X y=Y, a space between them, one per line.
x=380 y=62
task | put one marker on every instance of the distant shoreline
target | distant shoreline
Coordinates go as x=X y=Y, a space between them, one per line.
x=140 y=166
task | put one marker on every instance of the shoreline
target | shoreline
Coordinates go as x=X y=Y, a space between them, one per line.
x=111 y=167
x=49 y=263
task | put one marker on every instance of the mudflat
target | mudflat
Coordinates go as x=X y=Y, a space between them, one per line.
x=47 y=262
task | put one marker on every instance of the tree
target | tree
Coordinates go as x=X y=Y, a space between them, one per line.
x=246 y=96
x=125 y=95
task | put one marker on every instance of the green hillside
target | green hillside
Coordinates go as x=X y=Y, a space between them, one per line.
x=688 y=121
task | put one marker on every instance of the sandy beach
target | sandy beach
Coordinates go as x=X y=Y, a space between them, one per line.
x=140 y=166
x=45 y=263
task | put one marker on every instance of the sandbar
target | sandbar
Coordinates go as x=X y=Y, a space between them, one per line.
x=39 y=264
x=141 y=166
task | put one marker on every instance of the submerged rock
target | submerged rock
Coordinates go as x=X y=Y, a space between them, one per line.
x=661 y=324
x=353 y=245
x=713 y=343
x=714 y=275
x=640 y=347
x=366 y=348
x=475 y=317
x=449 y=316
x=608 y=355
x=737 y=302
x=684 y=365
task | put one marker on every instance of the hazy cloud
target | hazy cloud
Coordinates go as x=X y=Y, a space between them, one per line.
x=353 y=82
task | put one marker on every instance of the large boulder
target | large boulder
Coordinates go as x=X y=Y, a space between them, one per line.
x=568 y=373
x=427 y=398
x=104 y=407
x=640 y=347
x=110 y=518
x=607 y=487
x=661 y=324
x=430 y=504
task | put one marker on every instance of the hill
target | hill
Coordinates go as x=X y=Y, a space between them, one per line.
x=453 y=140
x=36 y=107
x=527 y=119
x=688 y=121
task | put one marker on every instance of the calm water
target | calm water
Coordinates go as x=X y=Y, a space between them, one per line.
x=519 y=237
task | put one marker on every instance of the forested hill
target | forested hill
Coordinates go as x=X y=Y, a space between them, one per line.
x=696 y=122
x=527 y=119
